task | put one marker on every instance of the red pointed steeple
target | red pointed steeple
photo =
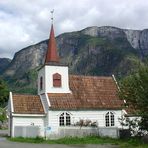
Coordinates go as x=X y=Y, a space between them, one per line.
x=51 y=54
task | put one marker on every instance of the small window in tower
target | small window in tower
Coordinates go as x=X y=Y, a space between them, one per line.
x=56 y=80
x=41 y=83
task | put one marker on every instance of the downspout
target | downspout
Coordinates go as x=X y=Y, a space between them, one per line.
x=11 y=118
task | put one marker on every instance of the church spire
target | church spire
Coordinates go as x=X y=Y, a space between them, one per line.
x=51 y=54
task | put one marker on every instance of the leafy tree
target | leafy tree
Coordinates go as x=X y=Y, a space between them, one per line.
x=2 y=115
x=134 y=89
x=3 y=93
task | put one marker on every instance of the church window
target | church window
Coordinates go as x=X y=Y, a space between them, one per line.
x=109 y=119
x=65 y=119
x=41 y=83
x=62 y=119
x=56 y=80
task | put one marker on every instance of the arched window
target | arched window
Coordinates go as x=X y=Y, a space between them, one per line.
x=65 y=119
x=109 y=119
x=61 y=119
x=56 y=80
x=41 y=83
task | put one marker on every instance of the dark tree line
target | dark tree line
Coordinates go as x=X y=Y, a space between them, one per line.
x=4 y=93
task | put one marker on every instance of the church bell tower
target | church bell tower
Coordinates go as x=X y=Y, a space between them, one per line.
x=53 y=76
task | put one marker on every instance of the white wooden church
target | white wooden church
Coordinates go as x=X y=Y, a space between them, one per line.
x=65 y=101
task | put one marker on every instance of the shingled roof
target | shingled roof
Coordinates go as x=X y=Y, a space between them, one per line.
x=27 y=104
x=88 y=92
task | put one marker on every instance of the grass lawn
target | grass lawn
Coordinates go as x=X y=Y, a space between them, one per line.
x=130 y=143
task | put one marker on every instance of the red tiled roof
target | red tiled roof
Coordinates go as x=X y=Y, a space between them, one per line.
x=88 y=92
x=27 y=104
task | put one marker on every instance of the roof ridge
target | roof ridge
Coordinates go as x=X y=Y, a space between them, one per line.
x=84 y=76
x=24 y=94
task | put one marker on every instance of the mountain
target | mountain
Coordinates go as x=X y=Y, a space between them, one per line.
x=92 y=51
x=4 y=62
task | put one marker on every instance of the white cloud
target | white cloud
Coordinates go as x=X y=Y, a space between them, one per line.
x=67 y=25
x=24 y=22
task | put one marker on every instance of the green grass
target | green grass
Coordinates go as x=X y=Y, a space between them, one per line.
x=130 y=143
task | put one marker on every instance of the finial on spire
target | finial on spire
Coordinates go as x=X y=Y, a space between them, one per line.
x=52 y=15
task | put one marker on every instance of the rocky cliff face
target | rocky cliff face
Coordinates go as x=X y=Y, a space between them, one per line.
x=27 y=59
x=133 y=37
x=105 y=31
x=4 y=62
x=69 y=46
x=91 y=51
x=137 y=38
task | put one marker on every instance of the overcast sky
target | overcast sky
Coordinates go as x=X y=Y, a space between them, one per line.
x=26 y=22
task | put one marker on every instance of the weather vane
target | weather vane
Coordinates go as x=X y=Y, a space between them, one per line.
x=52 y=15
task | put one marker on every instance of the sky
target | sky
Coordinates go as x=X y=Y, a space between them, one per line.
x=27 y=22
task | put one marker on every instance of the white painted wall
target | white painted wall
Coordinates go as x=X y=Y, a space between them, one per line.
x=28 y=121
x=47 y=73
x=53 y=120
x=96 y=115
